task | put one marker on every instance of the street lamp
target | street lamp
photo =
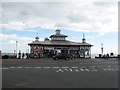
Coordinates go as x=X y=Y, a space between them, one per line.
x=16 y=48
x=102 y=48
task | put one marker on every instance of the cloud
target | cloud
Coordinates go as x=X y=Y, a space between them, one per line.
x=82 y=16
x=9 y=42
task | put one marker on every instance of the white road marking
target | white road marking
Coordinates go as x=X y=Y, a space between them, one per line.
x=46 y=67
x=19 y=67
x=5 y=68
x=74 y=67
x=107 y=69
x=65 y=67
x=60 y=70
x=81 y=69
x=76 y=70
x=71 y=70
x=87 y=69
x=56 y=67
x=66 y=70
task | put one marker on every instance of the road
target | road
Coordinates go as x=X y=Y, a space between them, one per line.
x=47 y=73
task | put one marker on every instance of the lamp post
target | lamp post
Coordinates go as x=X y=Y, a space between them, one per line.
x=16 y=48
x=102 y=48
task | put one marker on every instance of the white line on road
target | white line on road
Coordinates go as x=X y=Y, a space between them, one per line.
x=65 y=67
x=19 y=67
x=81 y=69
x=76 y=70
x=71 y=70
x=87 y=69
x=60 y=70
x=5 y=68
x=74 y=67
x=46 y=67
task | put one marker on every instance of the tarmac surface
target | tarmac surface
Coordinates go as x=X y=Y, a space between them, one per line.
x=48 y=73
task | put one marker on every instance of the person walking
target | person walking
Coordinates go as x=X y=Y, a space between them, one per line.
x=23 y=55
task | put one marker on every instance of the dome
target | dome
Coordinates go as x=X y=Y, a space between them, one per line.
x=36 y=37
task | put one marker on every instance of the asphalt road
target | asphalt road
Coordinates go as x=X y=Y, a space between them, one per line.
x=47 y=73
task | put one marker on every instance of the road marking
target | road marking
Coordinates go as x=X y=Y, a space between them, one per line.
x=76 y=70
x=74 y=67
x=60 y=70
x=5 y=68
x=37 y=67
x=107 y=69
x=19 y=67
x=65 y=67
x=71 y=70
x=87 y=69
x=81 y=69
x=56 y=67
x=46 y=67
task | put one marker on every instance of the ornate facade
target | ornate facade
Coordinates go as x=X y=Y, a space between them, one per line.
x=58 y=44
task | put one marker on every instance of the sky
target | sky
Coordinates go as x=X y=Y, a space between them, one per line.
x=22 y=20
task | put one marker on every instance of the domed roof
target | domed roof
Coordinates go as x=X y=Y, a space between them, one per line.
x=36 y=37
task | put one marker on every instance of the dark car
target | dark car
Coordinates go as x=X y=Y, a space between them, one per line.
x=61 y=56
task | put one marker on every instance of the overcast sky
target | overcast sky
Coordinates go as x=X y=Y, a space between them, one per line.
x=98 y=19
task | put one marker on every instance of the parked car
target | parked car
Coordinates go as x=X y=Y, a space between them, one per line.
x=61 y=56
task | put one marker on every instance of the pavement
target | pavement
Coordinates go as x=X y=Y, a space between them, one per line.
x=48 y=73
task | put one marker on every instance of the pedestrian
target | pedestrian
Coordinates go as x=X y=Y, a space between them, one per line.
x=23 y=55
x=19 y=54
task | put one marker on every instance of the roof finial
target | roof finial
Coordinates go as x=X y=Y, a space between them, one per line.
x=37 y=34
x=37 y=38
x=83 y=40
x=83 y=35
